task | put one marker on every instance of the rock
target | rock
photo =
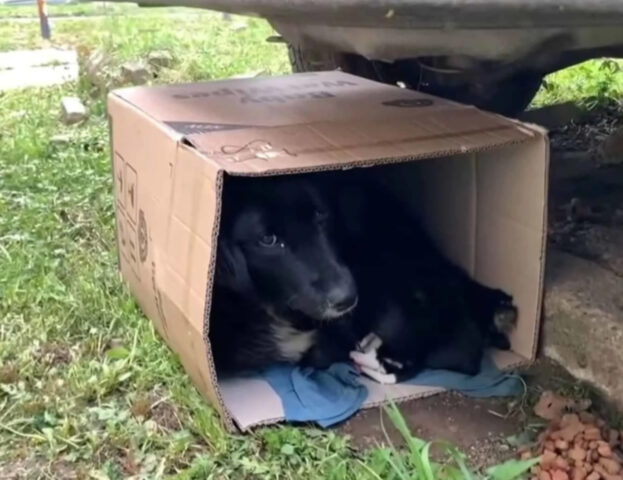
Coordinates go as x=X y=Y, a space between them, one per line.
x=562 y=445
x=560 y=475
x=592 y=433
x=583 y=327
x=604 y=450
x=577 y=454
x=97 y=69
x=562 y=464
x=593 y=476
x=60 y=140
x=611 y=151
x=551 y=406
x=135 y=73
x=569 y=419
x=554 y=116
x=578 y=474
x=610 y=465
x=238 y=26
x=548 y=458
x=160 y=59
x=569 y=432
x=586 y=417
x=543 y=475
x=72 y=110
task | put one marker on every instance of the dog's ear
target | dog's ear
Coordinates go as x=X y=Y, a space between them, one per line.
x=231 y=267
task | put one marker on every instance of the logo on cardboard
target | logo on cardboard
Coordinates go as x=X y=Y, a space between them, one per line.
x=409 y=102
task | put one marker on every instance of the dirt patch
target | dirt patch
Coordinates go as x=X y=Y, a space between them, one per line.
x=165 y=415
x=587 y=135
x=477 y=426
x=488 y=430
x=36 y=468
x=157 y=408
x=9 y=373
x=53 y=354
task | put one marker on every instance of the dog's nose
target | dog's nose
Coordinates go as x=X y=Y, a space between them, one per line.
x=342 y=299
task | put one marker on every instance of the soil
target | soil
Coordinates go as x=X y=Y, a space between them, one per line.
x=467 y=423
x=484 y=428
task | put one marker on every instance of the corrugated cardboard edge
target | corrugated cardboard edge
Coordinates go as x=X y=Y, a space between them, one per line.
x=544 y=133
x=227 y=420
x=535 y=132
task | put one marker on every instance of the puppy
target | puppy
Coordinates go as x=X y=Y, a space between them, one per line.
x=281 y=293
x=427 y=312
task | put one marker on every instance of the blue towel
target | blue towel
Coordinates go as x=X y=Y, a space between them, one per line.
x=324 y=396
x=330 y=396
x=490 y=382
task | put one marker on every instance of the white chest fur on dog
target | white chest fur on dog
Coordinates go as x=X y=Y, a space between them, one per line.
x=292 y=343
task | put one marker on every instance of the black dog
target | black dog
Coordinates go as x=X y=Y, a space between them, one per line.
x=428 y=312
x=282 y=294
x=281 y=290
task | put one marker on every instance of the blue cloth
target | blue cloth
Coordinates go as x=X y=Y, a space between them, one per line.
x=324 y=396
x=490 y=382
x=330 y=396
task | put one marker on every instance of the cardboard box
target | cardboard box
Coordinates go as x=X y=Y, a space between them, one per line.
x=478 y=181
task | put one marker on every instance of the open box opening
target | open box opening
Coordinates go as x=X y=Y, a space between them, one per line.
x=477 y=182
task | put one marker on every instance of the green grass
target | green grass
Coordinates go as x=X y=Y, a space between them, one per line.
x=86 y=385
x=592 y=84
x=79 y=9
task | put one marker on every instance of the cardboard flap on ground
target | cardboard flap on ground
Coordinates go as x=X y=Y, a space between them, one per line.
x=483 y=200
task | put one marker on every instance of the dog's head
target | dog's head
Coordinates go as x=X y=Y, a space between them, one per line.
x=276 y=244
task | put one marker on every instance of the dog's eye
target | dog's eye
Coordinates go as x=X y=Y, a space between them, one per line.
x=321 y=215
x=268 y=241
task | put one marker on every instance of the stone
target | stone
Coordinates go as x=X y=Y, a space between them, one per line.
x=554 y=116
x=610 y=465
x=160 y=59
x=577 y=454
x=135 y=73
x=583 y=323
x=60 y=140
x=72 y=110
x=604 y=450
x=560 y=475
x=238 y=26
x=611 y=151
x=97 y=69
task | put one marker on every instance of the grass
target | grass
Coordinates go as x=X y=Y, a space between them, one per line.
x=87 y=9
x=592 y=84
x=86 y=385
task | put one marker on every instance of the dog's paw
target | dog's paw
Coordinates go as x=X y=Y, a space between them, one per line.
x=370 y=343
x=380 y=377
x=367 y=360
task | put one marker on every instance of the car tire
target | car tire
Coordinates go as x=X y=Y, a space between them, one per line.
x=509 y=96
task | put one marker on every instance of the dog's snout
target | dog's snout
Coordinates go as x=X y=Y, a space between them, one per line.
x=342 y=298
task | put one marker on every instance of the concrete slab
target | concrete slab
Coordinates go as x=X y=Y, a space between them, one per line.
x=583 y=327
x=37 y=68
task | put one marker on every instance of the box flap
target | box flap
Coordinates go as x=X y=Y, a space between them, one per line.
x=317 y=120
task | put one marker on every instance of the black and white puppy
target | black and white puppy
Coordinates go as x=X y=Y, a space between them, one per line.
x=281 y=293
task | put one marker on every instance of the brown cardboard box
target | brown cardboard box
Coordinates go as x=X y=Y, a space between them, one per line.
x=478 y=181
